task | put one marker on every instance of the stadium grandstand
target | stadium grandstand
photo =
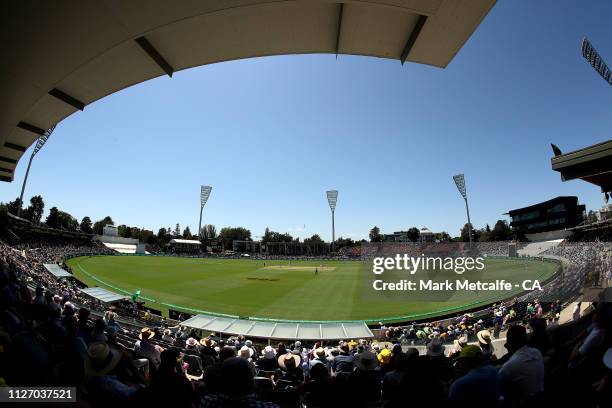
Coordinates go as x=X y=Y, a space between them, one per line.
x=47 y=313
x=125 y=339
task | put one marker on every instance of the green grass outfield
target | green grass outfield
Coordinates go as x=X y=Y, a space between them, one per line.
x=283 y=289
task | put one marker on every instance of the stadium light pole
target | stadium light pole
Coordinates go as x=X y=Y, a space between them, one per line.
x=204 y=194
x=460 y=182
x=332 y=199
x=39 y=144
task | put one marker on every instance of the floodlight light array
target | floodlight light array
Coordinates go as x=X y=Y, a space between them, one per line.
x=332 y=199
x=204 y=194
x=460 y=183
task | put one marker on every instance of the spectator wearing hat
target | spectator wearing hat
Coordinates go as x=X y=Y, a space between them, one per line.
x=320 y=357
x=485 y=344
x=268 y=360
x=365 y=381
x=246 y=353
x=191 y=347
x=167 y=336
x=476 y=383
x=144 y=348
x=290 y=373
x=458 y=345
x=207 y=347
x=102 y=368
x=441 y=364
x=343 y=362
x=522 y=377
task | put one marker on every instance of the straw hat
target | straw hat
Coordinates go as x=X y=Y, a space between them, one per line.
x=320 y=352
x=484 y=336
x=101 y=359
x=208 y=342
x=352 y=344
x=146 y=333
x=191 y=342
x=461 y=342
x=285 y=360
x=268 y=352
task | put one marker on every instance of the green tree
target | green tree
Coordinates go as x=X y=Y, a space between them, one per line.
x=315 y=239
x=98 y=227
x=486 y=234
x=177 y=231
x=148 y=237
x=36 y=209
x=124 y=231
x=464 y=234
x=344 y=242
x=61 y=220
x=208 y=234
x=163 y=237
x=187 y=233
x=375 y=235
x=501 y=231
x=443 y=236
x=413 y=234
x=86 y=225
x=228 y=235
x=273 y=236
x=211 y=231
x=53 y=219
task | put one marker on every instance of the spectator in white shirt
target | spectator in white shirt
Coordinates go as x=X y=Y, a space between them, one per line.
x=522 y=377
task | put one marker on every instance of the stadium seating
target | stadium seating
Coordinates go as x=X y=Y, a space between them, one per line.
x=50 y=334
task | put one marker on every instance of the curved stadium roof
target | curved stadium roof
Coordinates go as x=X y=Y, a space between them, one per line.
x=59 y=56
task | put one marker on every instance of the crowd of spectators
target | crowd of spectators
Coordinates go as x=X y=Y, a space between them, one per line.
x=50 y=336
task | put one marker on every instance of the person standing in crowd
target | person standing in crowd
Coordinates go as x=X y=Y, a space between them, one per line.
x=521 y=378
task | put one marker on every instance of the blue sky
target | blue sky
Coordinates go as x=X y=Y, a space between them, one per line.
x=272 y=134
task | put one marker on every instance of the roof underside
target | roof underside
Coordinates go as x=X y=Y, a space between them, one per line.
x=592 y=164
x=58 y=57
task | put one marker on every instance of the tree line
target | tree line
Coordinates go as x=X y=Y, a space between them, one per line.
x=209 y=236
x=500 y=232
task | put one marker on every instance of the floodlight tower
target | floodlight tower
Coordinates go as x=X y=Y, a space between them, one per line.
x=332 y=199
x=460 y=182
x=39 y=144
x=204 y=194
